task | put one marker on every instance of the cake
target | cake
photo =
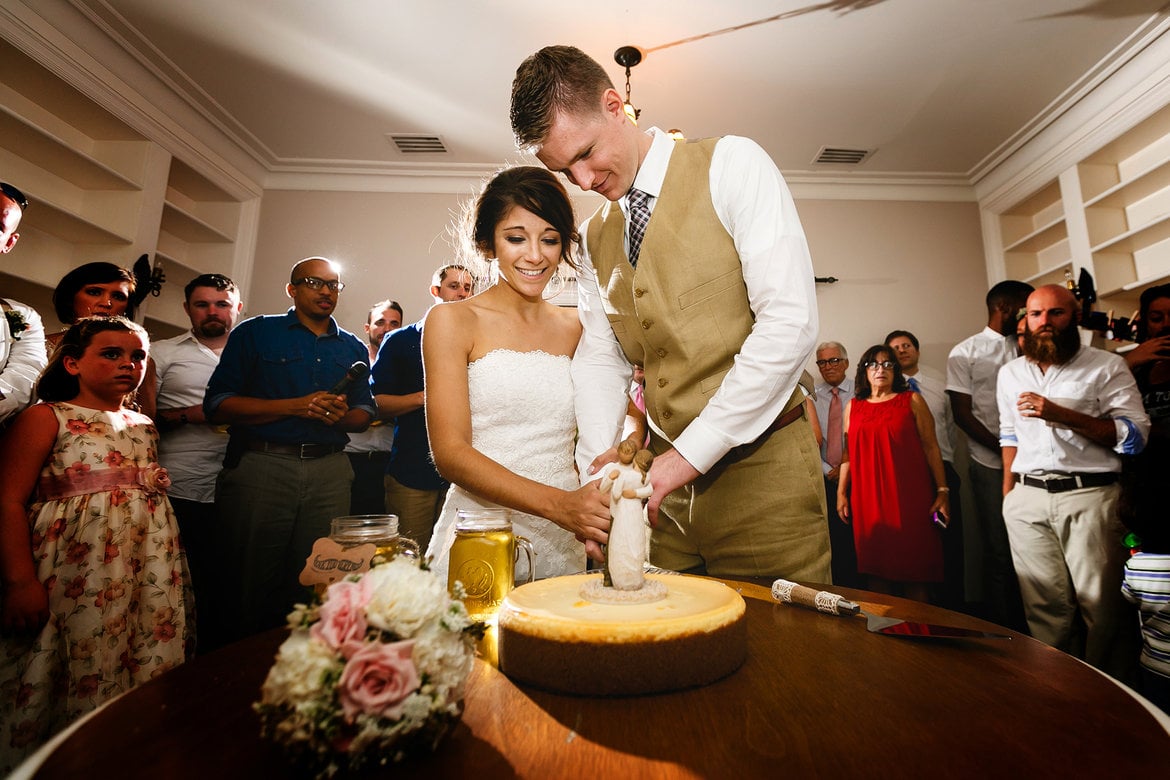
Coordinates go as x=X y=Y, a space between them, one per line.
x=551 y=637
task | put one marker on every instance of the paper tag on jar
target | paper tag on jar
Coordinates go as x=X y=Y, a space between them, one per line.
x=329 y=562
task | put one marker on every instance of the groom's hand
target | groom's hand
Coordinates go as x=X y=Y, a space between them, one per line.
x=669 y=472
x=609 y=456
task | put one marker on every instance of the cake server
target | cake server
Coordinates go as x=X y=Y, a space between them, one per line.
x=833 y=604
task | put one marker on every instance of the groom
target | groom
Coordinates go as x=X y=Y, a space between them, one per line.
x=714 y=296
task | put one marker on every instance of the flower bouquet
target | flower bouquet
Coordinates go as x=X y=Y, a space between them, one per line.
x=376 y=670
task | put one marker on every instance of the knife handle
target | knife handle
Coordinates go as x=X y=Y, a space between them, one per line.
x=820 y=600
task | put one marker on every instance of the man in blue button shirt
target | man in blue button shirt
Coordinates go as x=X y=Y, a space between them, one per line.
x=414 y=490
x=285 y=476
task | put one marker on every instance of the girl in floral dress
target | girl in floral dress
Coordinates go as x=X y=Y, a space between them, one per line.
x=94 y=592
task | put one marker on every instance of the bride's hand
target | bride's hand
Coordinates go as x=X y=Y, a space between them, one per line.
x=585 y=514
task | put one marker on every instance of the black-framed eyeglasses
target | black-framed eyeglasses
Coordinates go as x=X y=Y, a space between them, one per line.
x=886 y=364
x=14 y=194
x=829 y=362
x=313 y=283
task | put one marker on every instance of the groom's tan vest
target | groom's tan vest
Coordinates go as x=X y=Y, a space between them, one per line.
x=683 y=313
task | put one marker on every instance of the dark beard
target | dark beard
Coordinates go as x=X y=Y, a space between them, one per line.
x=212 y=330
x=1057 y=350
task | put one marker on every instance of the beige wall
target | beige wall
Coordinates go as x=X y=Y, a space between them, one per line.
x=901 y=265
x=911 y=265
x=388 y=245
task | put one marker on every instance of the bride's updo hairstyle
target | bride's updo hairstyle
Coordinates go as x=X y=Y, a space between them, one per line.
x=531 y=188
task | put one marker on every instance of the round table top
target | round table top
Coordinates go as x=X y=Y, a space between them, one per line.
x=818 y=696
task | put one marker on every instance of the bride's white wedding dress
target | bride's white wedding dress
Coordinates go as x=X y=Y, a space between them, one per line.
x=522 y=418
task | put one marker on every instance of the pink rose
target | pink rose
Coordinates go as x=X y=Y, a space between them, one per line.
x=343 y=615
x=154 y=479
x=377 y=679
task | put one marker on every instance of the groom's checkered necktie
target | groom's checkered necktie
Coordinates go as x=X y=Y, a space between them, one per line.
x=639 y=203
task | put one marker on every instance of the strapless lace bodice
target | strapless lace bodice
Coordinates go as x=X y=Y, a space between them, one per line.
x=522 y=417
x=522 y=413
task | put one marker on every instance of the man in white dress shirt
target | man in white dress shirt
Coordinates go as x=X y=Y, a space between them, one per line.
x=833 y=363
x=22 y=336
x=699 y=270
x=190 y=448
x=972 y=370
x=932 y=388
x=369 y=451
x=1067 y=413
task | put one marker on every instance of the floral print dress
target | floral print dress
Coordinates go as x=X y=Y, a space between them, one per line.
x=106 y=546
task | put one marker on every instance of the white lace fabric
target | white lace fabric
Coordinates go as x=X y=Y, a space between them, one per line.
x=522 y=417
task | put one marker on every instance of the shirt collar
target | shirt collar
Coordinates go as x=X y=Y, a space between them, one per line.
x=290 y=317
x=652 y=171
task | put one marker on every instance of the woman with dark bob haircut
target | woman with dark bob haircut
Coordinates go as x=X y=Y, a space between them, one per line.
x=885 y=488
x=92 y=290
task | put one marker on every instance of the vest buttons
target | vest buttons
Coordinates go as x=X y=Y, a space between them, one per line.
x=660 y=352
x=646 y=324
x=666 y=415
x=639 y=292
x=663 y=382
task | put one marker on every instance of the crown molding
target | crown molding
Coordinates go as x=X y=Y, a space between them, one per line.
x=69 y=46
x=1131 y=92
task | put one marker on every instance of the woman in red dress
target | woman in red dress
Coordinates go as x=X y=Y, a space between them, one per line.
x=893 y=465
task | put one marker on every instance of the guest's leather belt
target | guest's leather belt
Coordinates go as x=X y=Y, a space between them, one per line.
x=1067 y=482
x=302 y=451
x=370 y=455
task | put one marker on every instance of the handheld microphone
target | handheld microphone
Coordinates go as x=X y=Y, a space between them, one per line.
x=357 y=372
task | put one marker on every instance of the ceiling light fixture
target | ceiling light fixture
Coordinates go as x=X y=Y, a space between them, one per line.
x=628 y=57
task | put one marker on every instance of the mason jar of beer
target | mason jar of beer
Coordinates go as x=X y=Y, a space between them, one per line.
x=379 y=530
x=483 y=559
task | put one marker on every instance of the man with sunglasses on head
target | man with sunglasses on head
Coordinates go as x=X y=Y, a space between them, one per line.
x=281 y=385
x=22 y=336
x=830 y=398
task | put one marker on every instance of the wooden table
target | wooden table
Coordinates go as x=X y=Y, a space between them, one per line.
x=819 y=696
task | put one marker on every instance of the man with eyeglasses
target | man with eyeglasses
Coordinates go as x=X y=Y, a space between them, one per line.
x=22 y=336
x=191 y=449
x=281 y=385
x=830 y=398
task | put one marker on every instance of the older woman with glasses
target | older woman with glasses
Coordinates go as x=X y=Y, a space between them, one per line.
x=892 y=482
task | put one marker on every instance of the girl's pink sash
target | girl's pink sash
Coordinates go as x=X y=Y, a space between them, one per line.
x=54 y=487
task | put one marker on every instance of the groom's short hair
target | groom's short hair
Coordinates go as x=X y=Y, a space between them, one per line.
x=557 y=79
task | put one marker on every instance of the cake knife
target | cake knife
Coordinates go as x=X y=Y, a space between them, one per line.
x=833 y=604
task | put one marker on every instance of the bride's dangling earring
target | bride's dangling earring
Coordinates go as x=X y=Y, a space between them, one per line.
x=555 y=286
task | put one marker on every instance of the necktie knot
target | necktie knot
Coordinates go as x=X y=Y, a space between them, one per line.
x=639 y=205
x=913 y=384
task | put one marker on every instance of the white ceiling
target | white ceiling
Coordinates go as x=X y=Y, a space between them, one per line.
x=941 y=90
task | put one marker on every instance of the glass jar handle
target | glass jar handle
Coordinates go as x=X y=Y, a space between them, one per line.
x=409 y=548
x=526 y=546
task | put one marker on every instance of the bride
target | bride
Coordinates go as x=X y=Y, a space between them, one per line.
x=499 y=394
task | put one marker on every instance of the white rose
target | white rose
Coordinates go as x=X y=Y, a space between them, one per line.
x=296 y=675
x=405 y=598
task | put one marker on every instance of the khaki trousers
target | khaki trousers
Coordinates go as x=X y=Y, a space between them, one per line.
x=1067 y=552
x=759 y=515
x=417 y=510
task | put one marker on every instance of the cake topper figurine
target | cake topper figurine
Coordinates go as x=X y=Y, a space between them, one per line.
x=623 y=579
x=627 y=485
